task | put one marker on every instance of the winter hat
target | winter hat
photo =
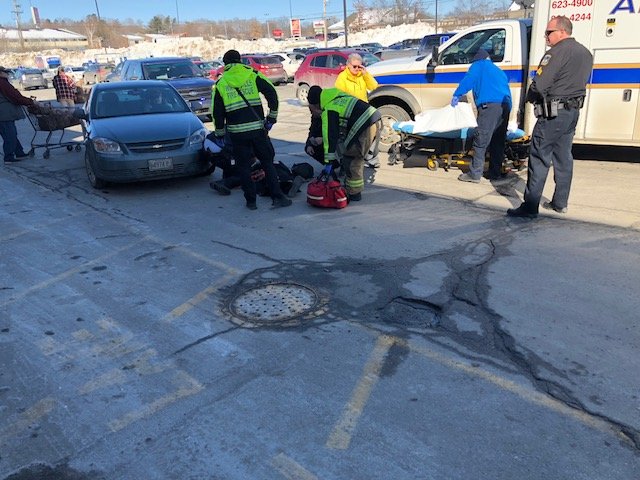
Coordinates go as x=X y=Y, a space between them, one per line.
x=313 y=97
x=232 y=56
x=480 y=55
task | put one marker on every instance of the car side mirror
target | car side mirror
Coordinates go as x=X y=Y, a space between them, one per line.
x=433 y=61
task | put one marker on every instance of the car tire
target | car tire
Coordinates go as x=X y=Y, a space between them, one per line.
x=390 y=115
x=302 y=93
x=95 y=181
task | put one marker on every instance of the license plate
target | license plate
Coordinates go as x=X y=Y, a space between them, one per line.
x=162 y=164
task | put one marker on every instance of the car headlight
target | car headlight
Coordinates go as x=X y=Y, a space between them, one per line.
x=104 y=145
x=198 y=137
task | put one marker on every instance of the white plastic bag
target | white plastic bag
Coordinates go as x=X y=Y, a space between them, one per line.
x=444 y=119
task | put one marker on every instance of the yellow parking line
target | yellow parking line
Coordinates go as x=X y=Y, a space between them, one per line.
x=290 y=469
x=67 y=274
x=196 y=299
x=28 y=417
x=35 y=229
x=187 y=386
x=342 y=432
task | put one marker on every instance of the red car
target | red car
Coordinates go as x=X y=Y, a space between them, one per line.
x=321 y=68
x=270 y=66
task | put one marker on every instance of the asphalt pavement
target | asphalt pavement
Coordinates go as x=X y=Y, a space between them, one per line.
x=160 y=330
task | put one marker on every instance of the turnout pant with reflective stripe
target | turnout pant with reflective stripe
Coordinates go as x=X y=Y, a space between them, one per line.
x=353 y=158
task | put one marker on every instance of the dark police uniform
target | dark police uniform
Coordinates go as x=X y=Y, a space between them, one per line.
x=557 y=92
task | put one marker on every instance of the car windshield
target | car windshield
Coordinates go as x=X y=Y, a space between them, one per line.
x=369 y=58
x=170 y=70
x=136 y=101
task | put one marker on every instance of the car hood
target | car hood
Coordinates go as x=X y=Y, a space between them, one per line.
x=399 y=64
x=146 y=128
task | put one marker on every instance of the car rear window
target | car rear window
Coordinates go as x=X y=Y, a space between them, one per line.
x=170 y=70
x=32 y=71
x=266 y=60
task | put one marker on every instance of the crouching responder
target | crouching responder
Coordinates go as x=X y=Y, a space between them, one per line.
x=238 y=112
x=349 y=128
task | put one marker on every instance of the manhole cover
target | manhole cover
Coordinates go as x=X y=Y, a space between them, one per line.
x=276 y=303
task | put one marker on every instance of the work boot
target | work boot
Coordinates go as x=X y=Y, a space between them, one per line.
x=465 y=177
x=522 y=211
x=551 y=206
x=354 y=197
x=252 y=205
x=281 y=202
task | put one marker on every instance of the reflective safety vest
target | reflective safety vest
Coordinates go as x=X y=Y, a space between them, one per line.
x=239 y=116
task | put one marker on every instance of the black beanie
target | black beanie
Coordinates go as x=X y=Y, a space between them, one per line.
x=232 y=56
x=313 y=97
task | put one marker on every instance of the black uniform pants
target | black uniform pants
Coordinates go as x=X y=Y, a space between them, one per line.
x=551 y=143
x=491 y=134
x=261 y=147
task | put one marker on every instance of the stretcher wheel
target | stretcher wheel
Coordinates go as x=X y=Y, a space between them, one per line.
x=78 y=148
x=46 y=154
x=432 y=164
x=69 y=148
x=32 y=153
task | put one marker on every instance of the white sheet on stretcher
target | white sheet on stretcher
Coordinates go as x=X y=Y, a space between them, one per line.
x=443 y=119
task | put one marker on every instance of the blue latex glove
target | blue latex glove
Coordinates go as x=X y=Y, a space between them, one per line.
x=454 y=101
x=219 y=141
x=268 y=124
x=327 y=169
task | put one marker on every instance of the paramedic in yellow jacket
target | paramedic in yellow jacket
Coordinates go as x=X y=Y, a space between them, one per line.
x=356 y=81
x=349 y=127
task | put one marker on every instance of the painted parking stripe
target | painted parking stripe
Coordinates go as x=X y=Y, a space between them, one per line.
x=290 y=469
x=340 y=437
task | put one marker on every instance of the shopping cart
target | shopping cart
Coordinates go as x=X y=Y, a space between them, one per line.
x=45 y=118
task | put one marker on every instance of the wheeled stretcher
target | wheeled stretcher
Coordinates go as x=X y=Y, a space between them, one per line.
x=451 y=149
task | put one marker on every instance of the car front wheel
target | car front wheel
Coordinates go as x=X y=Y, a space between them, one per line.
x=302 y=93
x=91 y=174
x=390 y=115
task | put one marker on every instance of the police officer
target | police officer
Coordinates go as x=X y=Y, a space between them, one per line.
x=349 y=128
x=237 y=111
x=557 y=92
x=493 y=100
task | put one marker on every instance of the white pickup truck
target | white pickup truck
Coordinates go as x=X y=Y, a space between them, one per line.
x=611 y=114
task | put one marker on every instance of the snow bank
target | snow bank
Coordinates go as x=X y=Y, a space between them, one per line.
x=210 y=49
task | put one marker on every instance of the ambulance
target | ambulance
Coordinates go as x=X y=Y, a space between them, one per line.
x=608 y=28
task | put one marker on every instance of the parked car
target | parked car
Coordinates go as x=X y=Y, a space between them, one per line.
x=96 y=72
x=179 y=72
x=74 y=72
x=323 y=66
x=209 y=69
x=434 y=40
x=371 y=47
x=28 y=78
x=269 y=65
x=114 y=75
x=290 y=61
x=140 y=130
x=48 y=77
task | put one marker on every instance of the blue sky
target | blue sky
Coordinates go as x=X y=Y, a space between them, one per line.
x=186 y=9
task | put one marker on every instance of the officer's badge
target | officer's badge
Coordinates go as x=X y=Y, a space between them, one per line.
x=545 y=60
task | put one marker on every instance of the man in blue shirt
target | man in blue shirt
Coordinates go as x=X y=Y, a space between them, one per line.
x=490 y=87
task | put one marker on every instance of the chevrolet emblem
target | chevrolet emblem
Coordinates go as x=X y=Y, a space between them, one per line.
x=157 y=146
x=193 y=93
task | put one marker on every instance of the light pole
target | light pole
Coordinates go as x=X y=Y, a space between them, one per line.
x=268 y=26
x=344 y=20
x=177 y=14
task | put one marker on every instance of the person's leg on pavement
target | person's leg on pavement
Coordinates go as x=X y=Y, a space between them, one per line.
x=563 y=160
x=481 y=139
x=263 y=150
x=497 y=144
x=243 y=154
x=9 y=135
x=353 y=164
